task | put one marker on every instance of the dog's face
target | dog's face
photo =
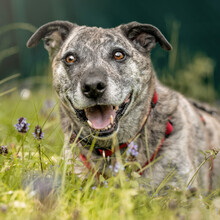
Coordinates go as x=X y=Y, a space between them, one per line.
x=100 y=74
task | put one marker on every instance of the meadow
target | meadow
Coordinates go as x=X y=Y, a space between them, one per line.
x=36 y=183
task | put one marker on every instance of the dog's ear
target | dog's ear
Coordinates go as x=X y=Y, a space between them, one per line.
x=54 y=34
x=144 y=36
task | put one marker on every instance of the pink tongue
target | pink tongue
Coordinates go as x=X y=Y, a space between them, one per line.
x=100 y=115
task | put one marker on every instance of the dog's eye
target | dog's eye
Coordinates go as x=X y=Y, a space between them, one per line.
x=118 y=55
x=70 y=59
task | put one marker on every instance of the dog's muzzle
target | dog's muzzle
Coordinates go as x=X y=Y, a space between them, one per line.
x=103 y=119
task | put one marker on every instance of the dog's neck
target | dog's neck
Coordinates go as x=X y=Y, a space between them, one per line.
x=156 y=124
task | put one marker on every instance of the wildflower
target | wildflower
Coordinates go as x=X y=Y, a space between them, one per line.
x=38 y=134
x=18 y=204
x=117 y=167
x=3 y=208
x=132 y=149
x=25 y=94
x=10 y=192
x=3 y=150
x=94 y=187
x=32 y=193
x=105 y=184
x=22 y=126
x=54 y=159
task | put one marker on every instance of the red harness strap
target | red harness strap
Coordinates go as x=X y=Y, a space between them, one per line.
x=88 y=165
x=169 y=129
x=108 y=153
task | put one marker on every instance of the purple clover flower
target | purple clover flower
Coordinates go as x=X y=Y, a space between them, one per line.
x=38 y=134
x=22 y=126
x=105 y=184
x=3 y=150
x=117 y=167
x=132 y=149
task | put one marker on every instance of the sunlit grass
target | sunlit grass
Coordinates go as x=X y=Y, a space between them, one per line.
x=120 y=198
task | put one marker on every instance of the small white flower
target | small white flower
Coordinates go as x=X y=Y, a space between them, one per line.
x=54 y=159
x=18 y=204
x=25 y=94
x=32 y=193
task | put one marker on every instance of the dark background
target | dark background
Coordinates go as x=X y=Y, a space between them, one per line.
x=196 y=24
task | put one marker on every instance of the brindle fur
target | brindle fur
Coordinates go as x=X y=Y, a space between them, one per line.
x=93 y=45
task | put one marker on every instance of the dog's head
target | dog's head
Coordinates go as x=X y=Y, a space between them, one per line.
x=100 y=75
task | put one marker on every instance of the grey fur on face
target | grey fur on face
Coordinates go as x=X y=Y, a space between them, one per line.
x=105 y=82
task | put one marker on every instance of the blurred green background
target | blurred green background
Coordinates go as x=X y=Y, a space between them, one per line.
x=192 y=27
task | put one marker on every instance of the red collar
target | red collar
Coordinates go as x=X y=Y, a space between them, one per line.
x=108 y=153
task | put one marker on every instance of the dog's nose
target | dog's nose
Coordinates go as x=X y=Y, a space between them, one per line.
x=93 y=85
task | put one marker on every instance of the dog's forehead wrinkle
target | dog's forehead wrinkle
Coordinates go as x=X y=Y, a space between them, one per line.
x=95 y=39
x=70 y=38
x=90 y=34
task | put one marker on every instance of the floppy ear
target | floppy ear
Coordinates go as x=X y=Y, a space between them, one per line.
x=54 y=34
x=144 y=36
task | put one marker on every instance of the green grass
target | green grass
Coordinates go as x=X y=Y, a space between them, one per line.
x=122 y=198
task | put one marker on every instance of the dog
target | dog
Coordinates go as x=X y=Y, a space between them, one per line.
x=109 y=92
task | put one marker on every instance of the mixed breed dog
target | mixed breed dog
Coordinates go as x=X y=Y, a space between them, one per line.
x=109 y=92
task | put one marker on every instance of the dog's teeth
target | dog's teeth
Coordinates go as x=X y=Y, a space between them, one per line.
x=116 y=108
x=111 y=119
x=109 y=126
x=89 y=123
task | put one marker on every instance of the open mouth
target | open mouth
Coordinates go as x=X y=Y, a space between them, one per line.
x=103 y=119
